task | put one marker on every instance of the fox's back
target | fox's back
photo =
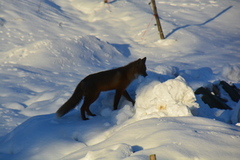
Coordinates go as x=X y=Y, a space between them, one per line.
x=105 y=80
x=118 y=78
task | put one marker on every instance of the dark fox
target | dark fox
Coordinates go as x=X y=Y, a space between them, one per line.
x=90 y=87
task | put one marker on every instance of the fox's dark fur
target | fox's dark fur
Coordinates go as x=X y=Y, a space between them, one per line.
x=90 y=87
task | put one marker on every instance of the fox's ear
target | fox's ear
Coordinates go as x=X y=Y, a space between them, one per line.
x=144 y=59
x=139 y=60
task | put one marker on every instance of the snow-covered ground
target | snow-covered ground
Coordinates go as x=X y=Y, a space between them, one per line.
x=48 y=46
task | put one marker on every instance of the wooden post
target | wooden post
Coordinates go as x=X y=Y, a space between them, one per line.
x=153 y=157
x=157 y=19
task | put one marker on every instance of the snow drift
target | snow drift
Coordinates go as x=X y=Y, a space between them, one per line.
x=48 y=46
x=64 y=54
x=171 y=98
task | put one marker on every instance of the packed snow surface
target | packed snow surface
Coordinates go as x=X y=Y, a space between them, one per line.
x=48 y=46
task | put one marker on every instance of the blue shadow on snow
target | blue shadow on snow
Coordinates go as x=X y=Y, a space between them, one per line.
x=201 y=24
x=123 y=49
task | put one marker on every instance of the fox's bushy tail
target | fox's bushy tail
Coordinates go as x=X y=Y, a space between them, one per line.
x=72 y=102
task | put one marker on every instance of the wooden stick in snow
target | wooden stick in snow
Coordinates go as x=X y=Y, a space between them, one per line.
x=157 y=19
x=153 y=157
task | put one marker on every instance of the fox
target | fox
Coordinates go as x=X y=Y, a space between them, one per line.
x=91 y=86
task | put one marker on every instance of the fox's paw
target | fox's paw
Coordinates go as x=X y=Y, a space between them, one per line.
x=91 y=114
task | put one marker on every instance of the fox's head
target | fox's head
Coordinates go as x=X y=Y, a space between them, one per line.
x=141 y=67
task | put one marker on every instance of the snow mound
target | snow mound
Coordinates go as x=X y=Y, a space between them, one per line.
x=122 y=115
x=118 y=151
x=64 y=54
x=171 y=98
x=87 y=7
x=232 y=72
x=169 y=138
x=167 y=70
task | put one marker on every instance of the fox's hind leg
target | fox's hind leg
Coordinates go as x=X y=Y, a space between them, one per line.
x=88 y=100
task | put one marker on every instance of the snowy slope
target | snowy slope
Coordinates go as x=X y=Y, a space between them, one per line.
x=48 y=46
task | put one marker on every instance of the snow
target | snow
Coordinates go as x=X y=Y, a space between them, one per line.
x=172 y=98
x=48 y=46
x=231 y=72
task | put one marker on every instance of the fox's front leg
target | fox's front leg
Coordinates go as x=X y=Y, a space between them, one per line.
x=83 y=114
x=127 y=96
x=117 y=97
